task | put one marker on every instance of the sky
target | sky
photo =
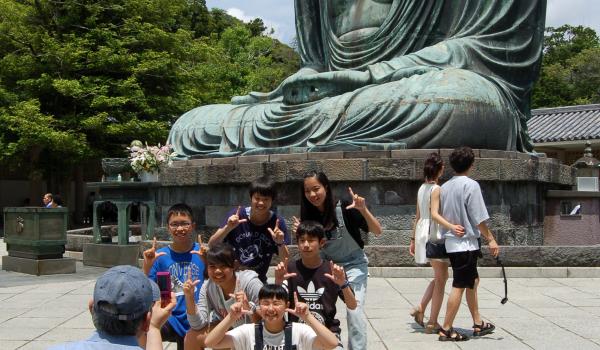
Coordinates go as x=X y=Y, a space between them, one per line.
x=279 y=14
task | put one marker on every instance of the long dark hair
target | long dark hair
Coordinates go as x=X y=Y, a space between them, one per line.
x=309 y=212
x=432 y=167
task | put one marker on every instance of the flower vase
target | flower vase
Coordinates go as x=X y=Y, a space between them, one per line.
x=146 y=176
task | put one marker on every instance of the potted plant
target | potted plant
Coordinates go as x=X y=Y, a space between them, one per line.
x=146 y=160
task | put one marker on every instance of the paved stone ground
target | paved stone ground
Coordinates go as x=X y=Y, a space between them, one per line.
x=543 y=313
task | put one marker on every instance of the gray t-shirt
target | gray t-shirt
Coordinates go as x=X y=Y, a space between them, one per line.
x=213 y=306
x=462 y=203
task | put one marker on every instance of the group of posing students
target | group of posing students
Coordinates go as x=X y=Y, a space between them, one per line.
x=236 y=308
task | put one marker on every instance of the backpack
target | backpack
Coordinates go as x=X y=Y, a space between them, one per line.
x=259 y=341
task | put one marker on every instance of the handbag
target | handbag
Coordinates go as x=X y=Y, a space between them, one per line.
x=435 y=248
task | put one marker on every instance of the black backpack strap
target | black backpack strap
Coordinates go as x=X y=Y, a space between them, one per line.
x=288 y=337
x=258 y=335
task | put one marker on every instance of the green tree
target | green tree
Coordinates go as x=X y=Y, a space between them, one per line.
x=570 y=72
x=80 y=78
x=256 y=27
x=566 y=41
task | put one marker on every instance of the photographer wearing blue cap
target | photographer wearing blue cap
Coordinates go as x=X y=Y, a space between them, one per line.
x=126 y=312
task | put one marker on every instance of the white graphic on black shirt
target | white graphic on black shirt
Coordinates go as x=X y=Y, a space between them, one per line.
x=310 y=294
x=312 y=298
x=251 y=252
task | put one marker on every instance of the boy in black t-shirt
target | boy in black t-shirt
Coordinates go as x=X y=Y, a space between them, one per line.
x=256 y=232
x=317 y=283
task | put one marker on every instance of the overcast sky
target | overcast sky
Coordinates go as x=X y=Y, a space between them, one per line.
x=279 y=14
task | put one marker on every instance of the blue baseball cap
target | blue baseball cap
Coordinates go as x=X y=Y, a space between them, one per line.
x=125 y=293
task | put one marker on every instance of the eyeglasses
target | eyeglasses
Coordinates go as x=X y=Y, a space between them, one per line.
x=176 y=225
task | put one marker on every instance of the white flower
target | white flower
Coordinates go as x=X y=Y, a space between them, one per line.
x=149 y=158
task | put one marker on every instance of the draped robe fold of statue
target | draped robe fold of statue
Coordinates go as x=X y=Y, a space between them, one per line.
x=433 y=74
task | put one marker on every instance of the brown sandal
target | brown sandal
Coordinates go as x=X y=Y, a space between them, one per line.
x=431 y=328
x=418 y=315
x=483 y=328
x=451 y=335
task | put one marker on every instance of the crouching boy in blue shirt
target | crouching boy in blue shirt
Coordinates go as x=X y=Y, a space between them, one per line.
x=181 y=259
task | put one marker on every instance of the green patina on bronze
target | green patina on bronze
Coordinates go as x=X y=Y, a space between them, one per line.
x=388 y=74
x=35 y=233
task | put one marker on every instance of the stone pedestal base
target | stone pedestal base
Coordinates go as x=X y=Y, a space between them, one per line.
x=514 y=187
x=109 y=255
x=38 y=267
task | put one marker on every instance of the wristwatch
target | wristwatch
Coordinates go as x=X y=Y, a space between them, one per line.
x=253 y=306
x=345 y=285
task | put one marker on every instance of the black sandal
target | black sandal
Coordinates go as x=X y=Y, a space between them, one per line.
x=451 y=335
x=484 y=328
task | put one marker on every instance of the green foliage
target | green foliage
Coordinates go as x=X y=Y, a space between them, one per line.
x=570 y=73
x=80 y=79
x=26 y=134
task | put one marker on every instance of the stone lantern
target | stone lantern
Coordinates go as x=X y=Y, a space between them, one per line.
x=588 y=170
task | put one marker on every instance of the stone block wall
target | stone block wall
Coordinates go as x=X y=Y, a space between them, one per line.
x=513 y=185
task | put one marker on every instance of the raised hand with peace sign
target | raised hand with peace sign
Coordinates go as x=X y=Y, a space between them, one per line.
x=281 y=272
x=300 y=309
x=295 y=224
x=358 y=202
x=150 y=255
x=234 y=220
x=190 y=285
x=189 y=288
x=277 y=234
x=237 y=310
x=337 y=275
x=202 y=249
x=239 y=295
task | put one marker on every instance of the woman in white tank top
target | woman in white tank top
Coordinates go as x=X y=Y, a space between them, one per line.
x=427 y=220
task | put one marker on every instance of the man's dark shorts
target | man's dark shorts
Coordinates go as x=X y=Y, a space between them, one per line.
x=464 y=268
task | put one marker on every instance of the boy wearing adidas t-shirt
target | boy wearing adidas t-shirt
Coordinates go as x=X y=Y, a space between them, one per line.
x=272 y=333
x=317 y=283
